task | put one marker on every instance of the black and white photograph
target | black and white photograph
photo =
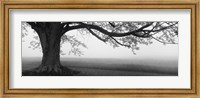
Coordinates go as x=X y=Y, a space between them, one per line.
x=99 y=48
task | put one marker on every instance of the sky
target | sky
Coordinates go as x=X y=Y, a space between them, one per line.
x=98 y=49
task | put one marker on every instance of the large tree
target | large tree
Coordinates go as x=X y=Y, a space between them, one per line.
x=125 y=34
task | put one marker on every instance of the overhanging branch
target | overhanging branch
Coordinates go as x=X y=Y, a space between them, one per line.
x=136 y=33
x=104 y=40
x=113 y=34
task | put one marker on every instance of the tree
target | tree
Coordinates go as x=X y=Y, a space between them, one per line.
x=126 y=34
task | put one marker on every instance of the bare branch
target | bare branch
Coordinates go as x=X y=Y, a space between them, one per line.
x=157 y=31
x=162 y=41
x=112 y=24
x=164 y=28
x=120 y=43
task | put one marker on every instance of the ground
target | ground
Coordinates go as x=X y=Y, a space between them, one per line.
x=112 y=67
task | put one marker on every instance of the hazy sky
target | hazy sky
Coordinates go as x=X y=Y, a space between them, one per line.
x=98 y=49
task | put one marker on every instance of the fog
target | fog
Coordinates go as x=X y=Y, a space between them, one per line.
x=98 y=49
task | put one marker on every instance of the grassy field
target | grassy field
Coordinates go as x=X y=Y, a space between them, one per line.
x=113 y=67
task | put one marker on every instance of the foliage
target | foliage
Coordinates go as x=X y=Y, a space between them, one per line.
x=116 y=34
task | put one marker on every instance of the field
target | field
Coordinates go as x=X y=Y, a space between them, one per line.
x=113 y=67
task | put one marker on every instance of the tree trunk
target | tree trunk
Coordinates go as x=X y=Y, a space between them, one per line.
x=51 y=57
x=50 y=36
x=50 y=41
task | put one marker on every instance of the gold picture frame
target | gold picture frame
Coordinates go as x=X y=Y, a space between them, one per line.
x=193 y=5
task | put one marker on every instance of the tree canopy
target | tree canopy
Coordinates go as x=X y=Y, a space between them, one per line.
x=125 y=34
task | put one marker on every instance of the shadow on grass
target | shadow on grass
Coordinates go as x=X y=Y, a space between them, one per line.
x=65 y=72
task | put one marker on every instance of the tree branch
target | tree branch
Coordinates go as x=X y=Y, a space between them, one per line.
x=157 y=31
x=116 y=34
x=68 y=28
x=113 y=34
x=34 y=26
x=112 y=24
x=104 y=40
x=120 y=43
x=164 y=28
x=162 y=41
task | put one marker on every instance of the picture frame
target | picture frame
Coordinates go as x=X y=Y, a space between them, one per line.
x=193 y=92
